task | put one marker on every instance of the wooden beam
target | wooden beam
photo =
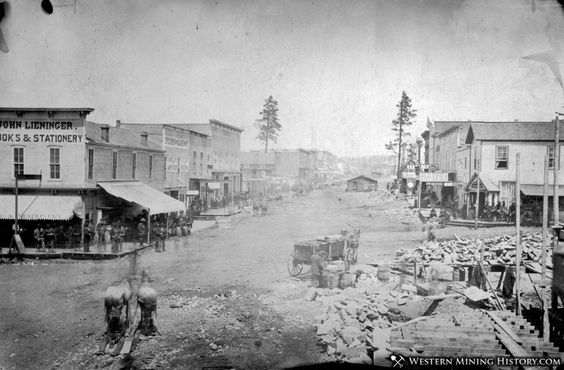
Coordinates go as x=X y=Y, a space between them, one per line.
x=518 y=237
x=513 y=347
x=500 y=325
x=545 y=321
x=500 y=305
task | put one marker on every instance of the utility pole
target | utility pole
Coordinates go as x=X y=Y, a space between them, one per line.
x=556 y=197
x=518 y=238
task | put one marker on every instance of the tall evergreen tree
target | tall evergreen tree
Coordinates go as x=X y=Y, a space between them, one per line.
x=267 y=124
x=403 y=120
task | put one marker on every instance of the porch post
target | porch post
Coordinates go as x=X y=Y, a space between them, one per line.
x=148 y=226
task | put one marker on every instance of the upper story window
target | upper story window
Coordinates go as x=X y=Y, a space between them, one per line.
x=144 y=137
x=134 y=165
x=105 y=133
x=90 y=164
x=550 y=153
x=501 y=157
x=151 y=166
x=18 y=161
x=55 y=163
x=114 y=164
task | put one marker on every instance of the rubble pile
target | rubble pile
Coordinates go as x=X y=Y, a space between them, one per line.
x=382 y=196
x=404 y=215
x=497 y=250
x=354 y=321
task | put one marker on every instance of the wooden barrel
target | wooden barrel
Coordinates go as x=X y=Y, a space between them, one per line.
x=383 y=273
x=346 y=280
x=324 y=281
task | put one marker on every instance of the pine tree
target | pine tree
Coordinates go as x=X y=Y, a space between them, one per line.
x=267 y=124
x=403 y=120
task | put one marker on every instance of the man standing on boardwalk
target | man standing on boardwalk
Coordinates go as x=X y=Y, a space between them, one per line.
x=141 y=232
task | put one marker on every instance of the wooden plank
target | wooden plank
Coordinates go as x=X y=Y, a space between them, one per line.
x=447 y=347
x=449 y=337
x=454 y=330
x=503 y=327
x=499 y=304
x=425 y=341
x=513 y=347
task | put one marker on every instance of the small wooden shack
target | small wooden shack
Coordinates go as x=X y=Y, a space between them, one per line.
x=362 y=183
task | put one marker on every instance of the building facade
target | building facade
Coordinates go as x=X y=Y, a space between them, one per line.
x=226 y=155
x=187 y=154
x=80 y=164
x=494 y=149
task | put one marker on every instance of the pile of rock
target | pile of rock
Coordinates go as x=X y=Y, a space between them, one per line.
x=382 y=196
x=354 y=321
x=497 y=250
x=405 y=215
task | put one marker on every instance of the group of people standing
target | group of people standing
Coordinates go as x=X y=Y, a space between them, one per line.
x=112 y=232
x=51 y=236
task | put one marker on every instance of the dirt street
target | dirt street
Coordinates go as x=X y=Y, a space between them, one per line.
x=225 y=296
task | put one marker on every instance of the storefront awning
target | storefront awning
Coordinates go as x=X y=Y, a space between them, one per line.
x=145 y=196
x=537 y=190
x=40 y=207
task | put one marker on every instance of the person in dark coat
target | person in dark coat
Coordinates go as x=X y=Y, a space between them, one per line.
x=141 y=232
x=317 y=267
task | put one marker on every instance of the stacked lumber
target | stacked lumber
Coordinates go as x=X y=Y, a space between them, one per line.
x=446 y=335
x=497 y=250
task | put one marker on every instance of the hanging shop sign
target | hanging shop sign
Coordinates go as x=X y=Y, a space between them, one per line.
x=433 y=177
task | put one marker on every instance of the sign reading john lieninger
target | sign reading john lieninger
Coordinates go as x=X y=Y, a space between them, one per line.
x=18 y=132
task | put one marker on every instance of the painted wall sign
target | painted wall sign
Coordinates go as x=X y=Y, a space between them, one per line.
x=26 y=132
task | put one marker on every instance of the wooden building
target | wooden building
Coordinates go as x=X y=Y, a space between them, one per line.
x=362 y=183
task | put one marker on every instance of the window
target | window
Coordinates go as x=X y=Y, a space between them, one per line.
x=133 y=165
x=114 y=164
x=90 y=164
x=178 y=167
x=550 y=157
x=151 y=166
x=501 y=157
x=18 y=161
x=55 y=163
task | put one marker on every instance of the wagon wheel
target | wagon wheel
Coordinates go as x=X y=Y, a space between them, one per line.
x=294 y=266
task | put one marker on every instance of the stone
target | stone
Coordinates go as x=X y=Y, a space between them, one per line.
x=354 y=352
x=382 y=309
x=311 y=294
x=341 y=347
x=329 y=326
x=349 y=334
x=362 y=359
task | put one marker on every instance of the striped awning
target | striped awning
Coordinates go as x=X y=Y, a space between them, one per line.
x=144 y=195
x=39 y=207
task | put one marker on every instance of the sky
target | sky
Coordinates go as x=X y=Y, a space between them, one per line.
x=336 y=68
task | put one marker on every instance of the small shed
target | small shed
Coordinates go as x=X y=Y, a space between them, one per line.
x=362 y=183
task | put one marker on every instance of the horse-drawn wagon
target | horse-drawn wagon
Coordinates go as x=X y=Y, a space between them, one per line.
x=334 y=247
